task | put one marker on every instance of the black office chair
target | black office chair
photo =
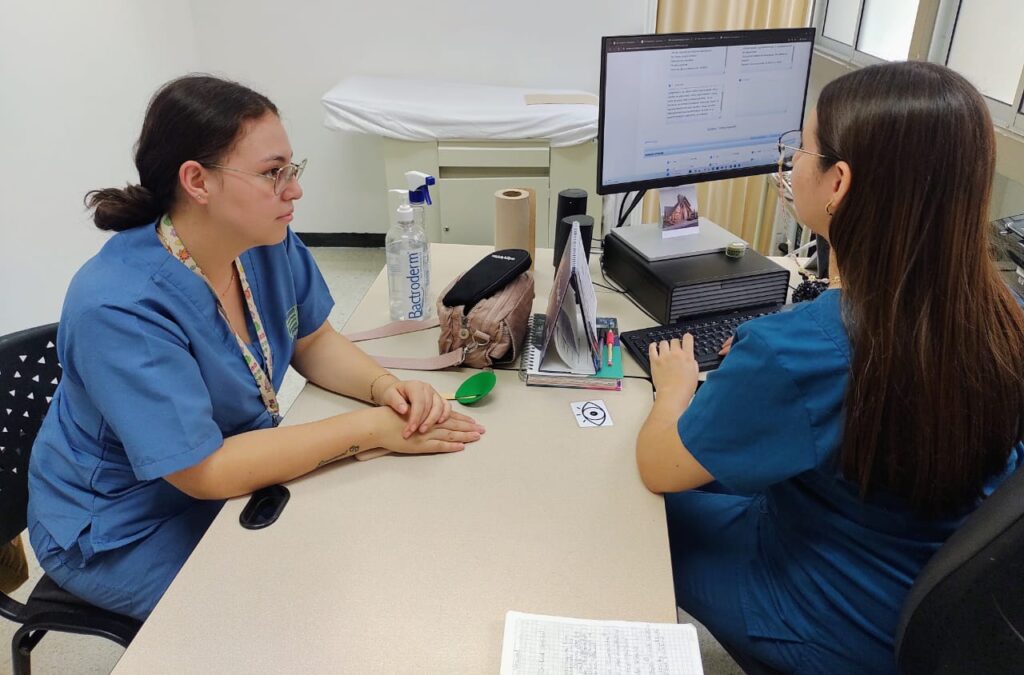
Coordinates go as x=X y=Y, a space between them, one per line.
x=965 y=611
x=29 y=373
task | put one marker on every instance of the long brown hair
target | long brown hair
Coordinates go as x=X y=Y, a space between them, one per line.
x=196 y=117
x=936 y=391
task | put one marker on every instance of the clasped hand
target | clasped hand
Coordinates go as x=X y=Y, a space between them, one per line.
x=450 y=435
x=418 y=403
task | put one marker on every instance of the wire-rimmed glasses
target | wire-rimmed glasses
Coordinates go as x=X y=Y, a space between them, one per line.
x=281 y=176
x=791 y=143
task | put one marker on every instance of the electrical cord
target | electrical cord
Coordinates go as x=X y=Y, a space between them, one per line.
x=636 y=200
x=622 y=203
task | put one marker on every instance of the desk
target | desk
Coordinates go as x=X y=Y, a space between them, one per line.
x=449 y=260
x=409 y=563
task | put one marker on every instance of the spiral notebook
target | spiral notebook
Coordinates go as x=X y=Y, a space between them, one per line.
x=570 y=326
x=556 y=373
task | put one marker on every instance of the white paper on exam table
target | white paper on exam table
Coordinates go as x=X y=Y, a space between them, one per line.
x=428 y=110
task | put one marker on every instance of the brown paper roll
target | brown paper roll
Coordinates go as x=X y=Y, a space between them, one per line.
x=515 y=219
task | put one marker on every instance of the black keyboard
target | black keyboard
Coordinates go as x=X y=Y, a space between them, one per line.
x=709 y=332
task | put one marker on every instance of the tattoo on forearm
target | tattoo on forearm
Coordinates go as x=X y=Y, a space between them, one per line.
x=348 y=453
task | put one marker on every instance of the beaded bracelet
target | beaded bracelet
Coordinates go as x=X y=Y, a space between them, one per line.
x=809 y=290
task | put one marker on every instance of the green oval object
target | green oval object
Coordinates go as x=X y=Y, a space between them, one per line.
x=476 y=387
x=736 y=249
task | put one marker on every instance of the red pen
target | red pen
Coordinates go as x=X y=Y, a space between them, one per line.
x=610 y=340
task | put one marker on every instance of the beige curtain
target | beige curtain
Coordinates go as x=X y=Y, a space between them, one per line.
x=740 y=204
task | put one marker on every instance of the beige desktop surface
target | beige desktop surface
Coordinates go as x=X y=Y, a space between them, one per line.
x=409 y=563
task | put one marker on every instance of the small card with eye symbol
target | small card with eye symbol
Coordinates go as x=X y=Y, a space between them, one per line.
x=591 y=414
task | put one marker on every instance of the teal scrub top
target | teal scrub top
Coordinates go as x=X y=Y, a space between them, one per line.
x=830 y=567
x=153 y=382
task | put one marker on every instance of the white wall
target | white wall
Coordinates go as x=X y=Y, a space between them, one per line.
x=75 y=78
x=294 y=52
x=1007 y=198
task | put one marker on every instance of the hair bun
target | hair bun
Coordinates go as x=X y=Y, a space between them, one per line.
x=120 y=209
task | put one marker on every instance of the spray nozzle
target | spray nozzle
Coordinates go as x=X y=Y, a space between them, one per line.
x=403 y=215
x=419 y=186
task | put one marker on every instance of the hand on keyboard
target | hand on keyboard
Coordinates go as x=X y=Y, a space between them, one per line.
x=712 y=335
x=674 y=371
x=724 y=349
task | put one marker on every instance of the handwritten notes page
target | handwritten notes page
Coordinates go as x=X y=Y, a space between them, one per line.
x=545 y=645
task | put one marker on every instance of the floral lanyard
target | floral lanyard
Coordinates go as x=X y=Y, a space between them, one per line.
x=172 y=242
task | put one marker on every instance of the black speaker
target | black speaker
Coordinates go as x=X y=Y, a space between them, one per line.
x=571 y=202
x=565 y=227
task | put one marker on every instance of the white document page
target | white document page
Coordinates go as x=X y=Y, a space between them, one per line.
x=542 y=645
x=585 y=288
x=571 y=341
x=571 y=321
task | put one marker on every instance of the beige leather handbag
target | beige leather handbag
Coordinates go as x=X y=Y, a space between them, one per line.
x=491 y=331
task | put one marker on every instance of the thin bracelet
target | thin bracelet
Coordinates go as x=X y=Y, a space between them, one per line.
x=384 y=374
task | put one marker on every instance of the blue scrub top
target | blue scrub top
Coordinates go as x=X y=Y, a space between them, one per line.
x=153 y=382
x=830 y=567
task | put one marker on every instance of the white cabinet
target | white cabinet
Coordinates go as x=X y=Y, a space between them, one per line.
x=467 y=208
x=470 y=172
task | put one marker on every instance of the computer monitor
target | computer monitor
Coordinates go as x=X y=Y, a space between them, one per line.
x=681 y=108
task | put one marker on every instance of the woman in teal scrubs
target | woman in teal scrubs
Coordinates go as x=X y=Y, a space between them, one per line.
x=174 y=339
x=839 y=445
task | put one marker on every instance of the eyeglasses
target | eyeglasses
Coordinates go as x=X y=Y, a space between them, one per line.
x=280 y=176
x=789 y=145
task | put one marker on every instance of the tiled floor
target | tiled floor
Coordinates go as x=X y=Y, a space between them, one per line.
x=349 y=272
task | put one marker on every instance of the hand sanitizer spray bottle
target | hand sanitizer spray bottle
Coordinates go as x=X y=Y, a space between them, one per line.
x=419 y=194
x=408 y=262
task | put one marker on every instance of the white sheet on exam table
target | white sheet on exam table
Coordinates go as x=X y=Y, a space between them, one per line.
x=427 y=110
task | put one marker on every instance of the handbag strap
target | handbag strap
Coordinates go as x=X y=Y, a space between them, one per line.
x=426 y=363
x=448 y=360
x=393 y=328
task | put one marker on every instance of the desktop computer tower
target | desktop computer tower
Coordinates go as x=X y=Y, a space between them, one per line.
x=681 y=288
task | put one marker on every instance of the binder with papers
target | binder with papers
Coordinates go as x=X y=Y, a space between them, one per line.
x=557 y=374
x=563 y=346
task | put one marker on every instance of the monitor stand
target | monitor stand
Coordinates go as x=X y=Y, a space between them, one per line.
x=646 y=240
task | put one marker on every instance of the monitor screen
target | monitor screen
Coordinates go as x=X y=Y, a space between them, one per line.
x=681 y=108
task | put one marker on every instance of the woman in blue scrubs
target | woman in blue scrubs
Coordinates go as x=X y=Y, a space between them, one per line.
x=174 y=339
x=839 y=445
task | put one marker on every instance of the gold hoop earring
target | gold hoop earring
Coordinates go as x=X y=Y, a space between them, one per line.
x=828 y=208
